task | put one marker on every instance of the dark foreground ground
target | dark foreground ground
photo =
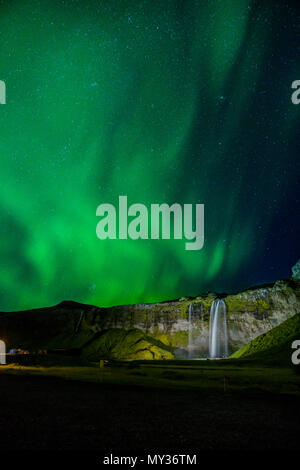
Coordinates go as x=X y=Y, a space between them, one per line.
x=50 y=413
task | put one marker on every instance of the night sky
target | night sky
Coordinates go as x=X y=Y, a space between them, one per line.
x=162 y=101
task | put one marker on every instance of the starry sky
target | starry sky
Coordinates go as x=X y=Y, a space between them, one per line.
x=162 y=101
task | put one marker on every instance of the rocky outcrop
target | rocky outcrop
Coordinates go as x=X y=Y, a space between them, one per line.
x=256 y=311
x=296 y=271
x=163 y=327
x=275 y=345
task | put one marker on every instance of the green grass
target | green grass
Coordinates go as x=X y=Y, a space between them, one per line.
x=224 y=376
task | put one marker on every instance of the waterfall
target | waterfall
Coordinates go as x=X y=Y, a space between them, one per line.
x=218 y=338
x=191 y=311
x=2 y=353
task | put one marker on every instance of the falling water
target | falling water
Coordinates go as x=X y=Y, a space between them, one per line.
x=2 y=353
x=191 y=311
x=218 y=338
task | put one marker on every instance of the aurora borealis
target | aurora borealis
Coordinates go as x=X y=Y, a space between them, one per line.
x=162 y=101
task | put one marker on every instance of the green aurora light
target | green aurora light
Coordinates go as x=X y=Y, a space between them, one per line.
x=169 y=101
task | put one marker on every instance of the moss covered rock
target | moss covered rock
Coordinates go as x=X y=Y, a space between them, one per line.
x=275 y=344
x=126 y=345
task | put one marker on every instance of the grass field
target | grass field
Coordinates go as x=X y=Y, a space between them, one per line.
x=221 y=375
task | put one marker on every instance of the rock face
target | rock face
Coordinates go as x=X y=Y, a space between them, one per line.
x=275 y=345
x=296 y=271
x=150 y=331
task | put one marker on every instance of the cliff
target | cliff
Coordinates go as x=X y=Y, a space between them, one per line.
x=150 y=331
x=275 y=345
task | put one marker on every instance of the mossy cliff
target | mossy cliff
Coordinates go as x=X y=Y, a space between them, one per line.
x=275 y=345
x=149 y=331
